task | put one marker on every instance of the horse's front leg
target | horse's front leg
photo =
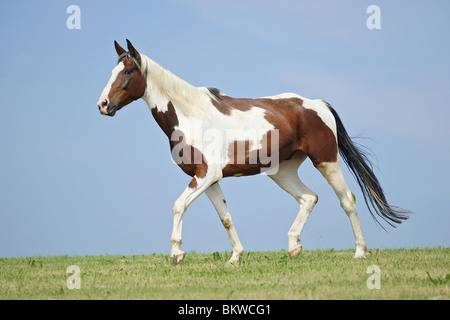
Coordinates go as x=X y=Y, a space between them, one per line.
x=196 y=187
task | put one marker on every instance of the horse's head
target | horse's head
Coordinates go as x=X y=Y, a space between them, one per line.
x=127 y=82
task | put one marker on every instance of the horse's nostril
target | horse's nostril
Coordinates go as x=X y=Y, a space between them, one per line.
x=104 y=103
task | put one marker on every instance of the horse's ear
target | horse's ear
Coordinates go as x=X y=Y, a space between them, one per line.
x=132 y=50
x=119 y=49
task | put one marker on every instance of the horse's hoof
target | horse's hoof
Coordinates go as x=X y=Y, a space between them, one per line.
x=359 y=255
x=295 y=252
x=177 y=258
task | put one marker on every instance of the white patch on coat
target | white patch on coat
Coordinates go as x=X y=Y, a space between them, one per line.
x=204 y=127
x=213 y=135
x=114 y=73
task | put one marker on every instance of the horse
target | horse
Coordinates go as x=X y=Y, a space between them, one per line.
x=213 y=136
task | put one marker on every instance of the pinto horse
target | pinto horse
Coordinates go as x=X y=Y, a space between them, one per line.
x=213 y=136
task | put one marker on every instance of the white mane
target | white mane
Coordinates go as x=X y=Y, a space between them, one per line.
x=163 y=86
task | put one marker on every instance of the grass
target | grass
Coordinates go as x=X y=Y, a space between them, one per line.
x=421 y=273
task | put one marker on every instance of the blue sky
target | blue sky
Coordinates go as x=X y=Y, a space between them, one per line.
x=73 y=182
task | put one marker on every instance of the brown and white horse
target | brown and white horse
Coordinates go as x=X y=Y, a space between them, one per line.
x=213 y=136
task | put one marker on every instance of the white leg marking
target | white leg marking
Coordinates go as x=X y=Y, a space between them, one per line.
x=287 y=179
x=215 y=194
x=180 y=207
x=332 y=172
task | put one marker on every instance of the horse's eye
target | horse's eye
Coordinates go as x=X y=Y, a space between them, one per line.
x=128 y=71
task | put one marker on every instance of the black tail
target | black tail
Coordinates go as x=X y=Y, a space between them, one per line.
x=361 y=168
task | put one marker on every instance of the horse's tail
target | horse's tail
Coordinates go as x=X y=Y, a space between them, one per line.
x=361 y=168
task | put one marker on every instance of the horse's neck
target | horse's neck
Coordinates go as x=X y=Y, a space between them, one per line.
x=164 y=87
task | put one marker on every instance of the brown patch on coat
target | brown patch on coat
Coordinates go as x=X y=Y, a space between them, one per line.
x=167 y=121
x=196 y=164
x=299 y=128
x=281 y=113
x=317 y=139
x=245 y=162
x=227 y=104
x=193 y=184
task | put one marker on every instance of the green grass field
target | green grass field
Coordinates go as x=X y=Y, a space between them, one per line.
x=322 y=274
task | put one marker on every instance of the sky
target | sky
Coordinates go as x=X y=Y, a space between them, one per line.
x=74 y=182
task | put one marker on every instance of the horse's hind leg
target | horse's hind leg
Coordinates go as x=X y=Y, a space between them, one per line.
x=287 y=178
x=333 y=174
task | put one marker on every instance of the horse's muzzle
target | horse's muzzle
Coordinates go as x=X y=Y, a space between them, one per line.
x=106 y=109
